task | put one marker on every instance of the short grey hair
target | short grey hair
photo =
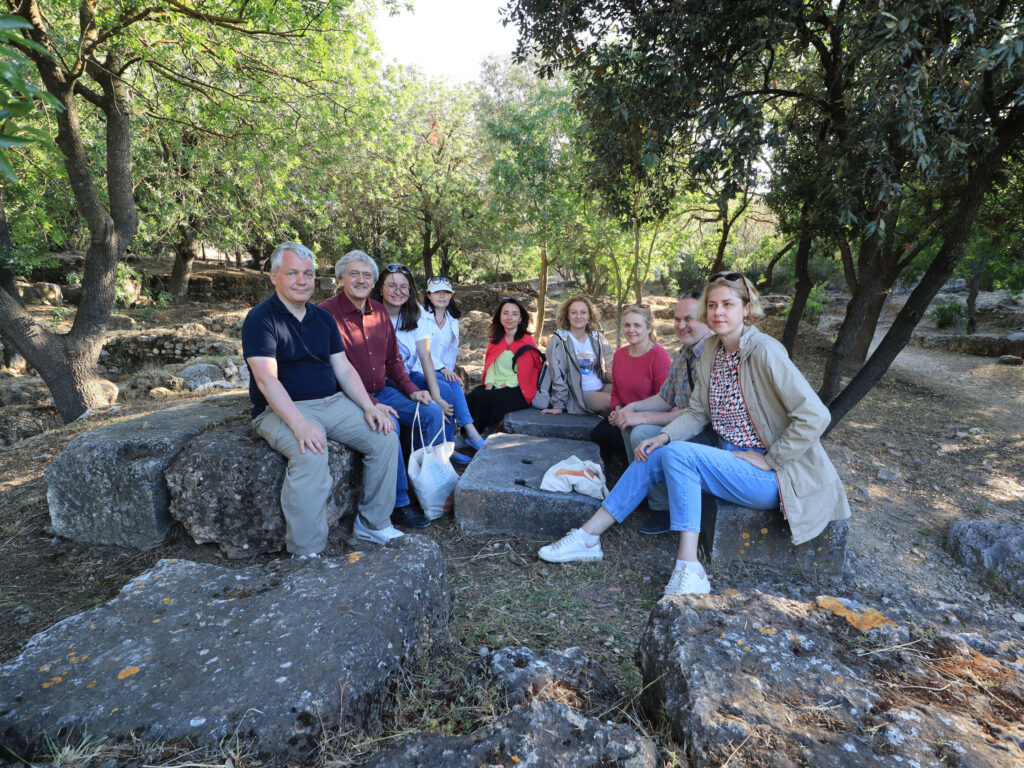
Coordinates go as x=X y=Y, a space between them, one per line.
x=344 y=261
x=297 y=248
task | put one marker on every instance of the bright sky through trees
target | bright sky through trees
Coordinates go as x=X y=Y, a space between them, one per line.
x=446 y=38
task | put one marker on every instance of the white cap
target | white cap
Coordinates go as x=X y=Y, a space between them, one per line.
x=438 y=283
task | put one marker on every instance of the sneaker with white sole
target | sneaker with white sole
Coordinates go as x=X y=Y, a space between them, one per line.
x=686 y=582
x=571 y=548
x=362 y=531
x=308 y=556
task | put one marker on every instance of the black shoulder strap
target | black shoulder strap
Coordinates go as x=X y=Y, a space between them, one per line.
x=526 y=348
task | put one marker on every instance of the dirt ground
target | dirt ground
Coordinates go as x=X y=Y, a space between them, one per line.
x=951 y=427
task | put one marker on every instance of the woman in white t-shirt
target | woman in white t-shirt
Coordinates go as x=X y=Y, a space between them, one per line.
x=580 y=359
x=436 y=364
x=396 y=291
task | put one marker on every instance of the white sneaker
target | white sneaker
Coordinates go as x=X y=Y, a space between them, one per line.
x=309 y=556
x=571 y=548
x=362 y=531
x=687 y=582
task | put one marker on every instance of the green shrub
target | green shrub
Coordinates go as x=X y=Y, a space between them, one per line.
x=814 y=306
x=949 y=314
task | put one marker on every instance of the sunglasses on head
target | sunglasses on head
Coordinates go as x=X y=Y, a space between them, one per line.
x=733 y=276
x=441 y=280
x=513 y=299
x=398 y=268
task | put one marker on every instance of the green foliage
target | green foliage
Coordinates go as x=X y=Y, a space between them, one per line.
x=949 y=314
x=127 y=282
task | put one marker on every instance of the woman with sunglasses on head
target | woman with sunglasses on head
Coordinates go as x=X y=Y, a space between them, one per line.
x=769 y=424
x=580 y=359
x=397 y=292
x=510 y=382
x=435 y=365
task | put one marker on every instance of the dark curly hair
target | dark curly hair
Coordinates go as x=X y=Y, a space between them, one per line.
x=497 y=331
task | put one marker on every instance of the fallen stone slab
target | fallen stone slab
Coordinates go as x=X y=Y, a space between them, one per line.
x=993 y=550
x=500 y=490
x=568 y=426
x=107 y=486
x=225 y=487
x=199 y=652
x=741 y=534
x=547 y=734
x=522 y=675
x=830 y=682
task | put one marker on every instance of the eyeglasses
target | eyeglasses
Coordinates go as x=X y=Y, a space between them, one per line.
x=398 y=268
x=441 y=280
x=733 y=276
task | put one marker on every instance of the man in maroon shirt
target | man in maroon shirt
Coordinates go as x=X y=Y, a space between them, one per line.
x=372 y=349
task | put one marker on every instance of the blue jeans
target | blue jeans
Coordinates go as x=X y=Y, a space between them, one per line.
x=687 y=469
x=431 y=417
x=451 y=392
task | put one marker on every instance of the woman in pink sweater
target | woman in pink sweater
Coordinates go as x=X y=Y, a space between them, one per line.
x=638 y=371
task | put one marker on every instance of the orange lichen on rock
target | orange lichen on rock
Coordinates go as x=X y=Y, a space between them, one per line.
x=860 y=616
x=354 y=557
x=127 y=672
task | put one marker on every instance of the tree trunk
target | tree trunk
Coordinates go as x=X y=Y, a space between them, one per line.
x=803 y=284
x=977 y=272
x=67 y=363
x=938 y=272
x=866 y=332
x=6 y=263
x=727 y=222
x=766 y=279
x=542 y=291
x=856 y=310
x=185 y=254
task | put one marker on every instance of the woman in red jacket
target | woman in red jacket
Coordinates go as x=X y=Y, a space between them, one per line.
x=509 y=383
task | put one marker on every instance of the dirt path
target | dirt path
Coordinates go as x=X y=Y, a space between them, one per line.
x=995 y=391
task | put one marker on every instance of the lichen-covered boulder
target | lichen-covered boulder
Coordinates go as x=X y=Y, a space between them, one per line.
x=994 y=550
x=20 y=421
x=225 y=487
x=825 y=683
x=107 y=486
x=198 y=652
x=522 y=675
x=547 y=734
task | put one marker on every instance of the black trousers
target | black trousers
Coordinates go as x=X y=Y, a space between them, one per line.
x=489 y=406
x=609 y=438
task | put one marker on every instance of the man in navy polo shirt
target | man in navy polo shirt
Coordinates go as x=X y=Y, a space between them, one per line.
x=297 y=362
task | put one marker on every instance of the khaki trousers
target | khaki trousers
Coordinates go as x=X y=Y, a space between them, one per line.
x=307 y=481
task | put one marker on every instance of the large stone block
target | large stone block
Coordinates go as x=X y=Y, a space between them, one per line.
x=530 y=421
x=107 y=486
x=739 y=534
x=787 y=683
x=547 y=734
x=225 y=487
x=500 y=490
x=995 y=551
x=198 y=652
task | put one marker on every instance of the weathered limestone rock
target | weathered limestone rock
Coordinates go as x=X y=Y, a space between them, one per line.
x=1011 y=360
x=130 y=351
x=49 y=293
x=530 y=421
x=500 y=490
x=983 y=344
x=828 y=683
x=522 y=675
x=547 y=734
x=196 y=651
x=23 y=390
x=107 y=486
x=225 y=487
x=20 y=421
x=994 y=550
x=201 y=375
x=762 y=536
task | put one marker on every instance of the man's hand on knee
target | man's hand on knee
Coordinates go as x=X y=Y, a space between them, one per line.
x=421 y=396
x=379 y=418
x=310 y=436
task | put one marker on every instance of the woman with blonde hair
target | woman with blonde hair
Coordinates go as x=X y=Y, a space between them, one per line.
x=638 y=370
x=769 y=424
x=580 y=359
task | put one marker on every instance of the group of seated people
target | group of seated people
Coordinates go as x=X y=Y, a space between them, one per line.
x=730 y=415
